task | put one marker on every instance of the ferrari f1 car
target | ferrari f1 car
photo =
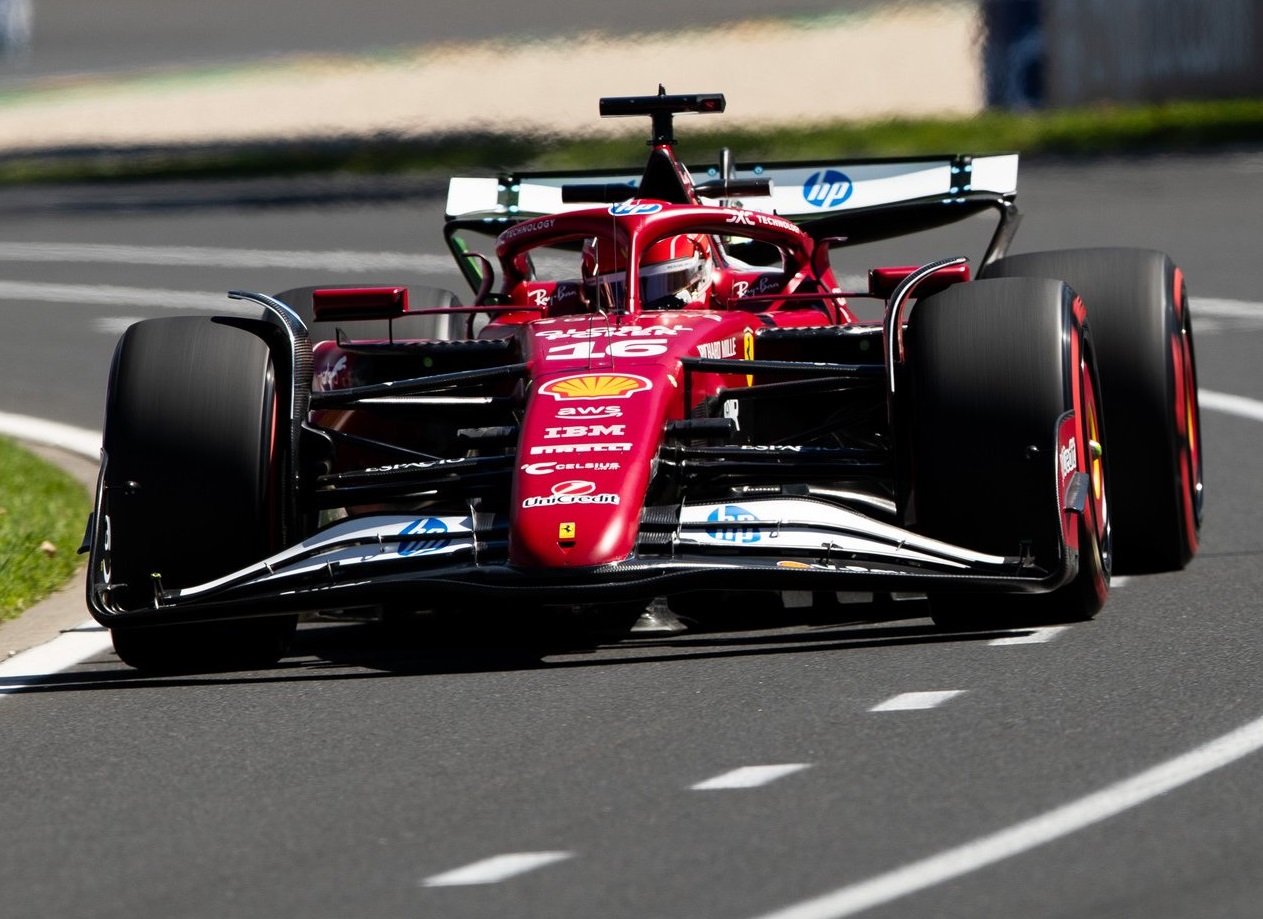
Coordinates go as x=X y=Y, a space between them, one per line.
x=661 y=394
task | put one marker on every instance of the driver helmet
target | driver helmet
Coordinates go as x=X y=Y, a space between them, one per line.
x=674 y=272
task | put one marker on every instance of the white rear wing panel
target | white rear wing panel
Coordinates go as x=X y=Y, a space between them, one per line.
x=799 y=190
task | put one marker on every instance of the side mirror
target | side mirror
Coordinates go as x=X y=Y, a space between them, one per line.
x=883 y=281
x=340 y=304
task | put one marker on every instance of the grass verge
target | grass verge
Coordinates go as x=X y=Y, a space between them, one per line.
x=1097 y=130
x=42 y=513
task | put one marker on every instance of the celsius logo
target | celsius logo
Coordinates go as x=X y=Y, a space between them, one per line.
x=827 y=188
x=431 y=533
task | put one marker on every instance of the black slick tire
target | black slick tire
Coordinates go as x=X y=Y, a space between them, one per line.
x=1137 y=306
x=191 y=481
x=994 y=368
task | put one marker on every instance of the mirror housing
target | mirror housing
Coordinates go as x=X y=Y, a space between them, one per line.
x=341 y=304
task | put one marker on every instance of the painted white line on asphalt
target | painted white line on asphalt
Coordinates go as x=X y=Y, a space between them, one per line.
x=67 y=649
x=51 y=434
x=495 y=869
x=1055 y=824
x=914 y=701
x=1222 y=308
x=1022 y=837
x=1032 y=637
x=115 y=325
x=1230 y=404
x=335 y=260
x=347 y=260
x=107 y=295
x=750 y=776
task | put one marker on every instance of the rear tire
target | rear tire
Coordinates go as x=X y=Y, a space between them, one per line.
x=1137 y=306
x=993 y=367
x=191 y=484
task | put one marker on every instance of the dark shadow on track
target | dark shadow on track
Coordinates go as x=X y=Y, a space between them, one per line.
x=337 y=651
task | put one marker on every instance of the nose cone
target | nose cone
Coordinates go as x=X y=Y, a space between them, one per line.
x=574 y=535
x=588 y=440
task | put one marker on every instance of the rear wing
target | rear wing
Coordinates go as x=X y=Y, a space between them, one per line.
x=847 y=201
x=800 y=191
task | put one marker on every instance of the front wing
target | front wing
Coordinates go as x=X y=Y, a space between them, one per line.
x=425 y=562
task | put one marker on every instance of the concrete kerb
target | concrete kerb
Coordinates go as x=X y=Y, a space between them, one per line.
x=66 y=608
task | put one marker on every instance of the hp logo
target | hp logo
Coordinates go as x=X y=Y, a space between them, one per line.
x=827 y=188
x=733 y=524
x=431 y=533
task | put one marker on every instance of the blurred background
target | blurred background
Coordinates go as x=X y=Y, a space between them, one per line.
x=132 y=71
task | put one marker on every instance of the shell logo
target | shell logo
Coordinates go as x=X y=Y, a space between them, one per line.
x=595 y=386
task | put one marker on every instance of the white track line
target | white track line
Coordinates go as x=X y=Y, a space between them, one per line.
x=63 y=652
x=1221 y=308
x=1230 y=404
x=1022 y=837
x=749 y=777
x=1032 y=637
x=184 y=256
x=916 y=701
x=108 y=295
x=495 y=869
x=51 y=434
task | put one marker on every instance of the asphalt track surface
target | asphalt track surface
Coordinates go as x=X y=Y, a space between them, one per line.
x=824 y=765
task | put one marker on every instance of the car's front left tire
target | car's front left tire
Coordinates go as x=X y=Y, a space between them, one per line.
x=191 y=484
x=995 y=368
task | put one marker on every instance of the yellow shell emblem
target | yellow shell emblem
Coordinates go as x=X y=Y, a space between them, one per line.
x=595 y=386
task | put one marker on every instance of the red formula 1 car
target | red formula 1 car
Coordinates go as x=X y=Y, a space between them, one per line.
x=660 y=397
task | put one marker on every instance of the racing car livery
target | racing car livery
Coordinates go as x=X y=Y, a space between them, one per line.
x=660 y=393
